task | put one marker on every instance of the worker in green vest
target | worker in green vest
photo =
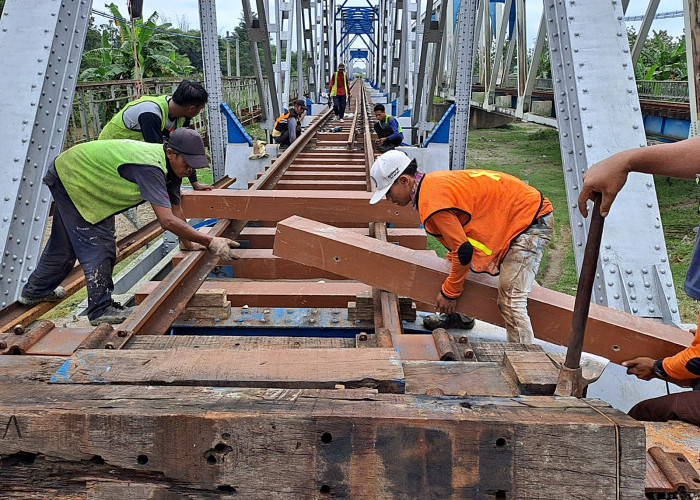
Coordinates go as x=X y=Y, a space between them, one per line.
x=339 y=90
x=152 y=118
x=93 y=181
x=388 y=130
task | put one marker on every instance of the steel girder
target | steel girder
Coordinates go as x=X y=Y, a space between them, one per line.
x=598 y=114
x=212 y=79
x=41 y=43
x=281 y=31
x=692 y=51
x=257 y=34
x=466 y=35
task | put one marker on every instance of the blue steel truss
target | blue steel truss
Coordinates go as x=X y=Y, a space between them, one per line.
x=359 y=22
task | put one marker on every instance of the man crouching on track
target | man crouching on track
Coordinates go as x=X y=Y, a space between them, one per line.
x=93 y=181
x=489 y=221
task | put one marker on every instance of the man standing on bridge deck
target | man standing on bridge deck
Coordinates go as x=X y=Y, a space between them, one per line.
x=489 y=222
x=680 y=159
x=388 y=130
x=152 y=118
x=339 y=90
x=288 y=126
x=93 y=181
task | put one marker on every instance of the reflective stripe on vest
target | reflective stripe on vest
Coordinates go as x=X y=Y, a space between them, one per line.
x=480 y=246
x=334 y=89
x=115 y=128
x=90 y=174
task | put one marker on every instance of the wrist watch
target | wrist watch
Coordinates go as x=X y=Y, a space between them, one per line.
x=659 y=371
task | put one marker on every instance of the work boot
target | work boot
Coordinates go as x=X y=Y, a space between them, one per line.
x=114 y=314
x=452 y=320
x=54 y=296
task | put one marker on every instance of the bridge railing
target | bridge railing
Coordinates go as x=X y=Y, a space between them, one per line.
x=96 y=102
x=669 y=90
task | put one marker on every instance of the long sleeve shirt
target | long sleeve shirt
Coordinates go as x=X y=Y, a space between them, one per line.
x=340 y=90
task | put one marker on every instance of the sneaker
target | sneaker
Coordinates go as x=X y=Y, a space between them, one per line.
x=58 y=294
x=342 y=121
x=453 y=320
x=114 y=314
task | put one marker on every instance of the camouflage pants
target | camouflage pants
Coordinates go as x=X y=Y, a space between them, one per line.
x=518 y=271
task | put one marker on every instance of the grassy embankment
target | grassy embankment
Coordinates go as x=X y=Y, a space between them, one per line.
x=531 y=153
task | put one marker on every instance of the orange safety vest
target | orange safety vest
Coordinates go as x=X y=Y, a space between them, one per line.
x=679 y=365
x=282 y=120
x=493 y=207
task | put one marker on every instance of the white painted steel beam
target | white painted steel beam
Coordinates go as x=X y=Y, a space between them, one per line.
x=598 y=114
x=41 y=44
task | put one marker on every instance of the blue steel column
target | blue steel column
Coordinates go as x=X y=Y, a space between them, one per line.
x=212 y=80
x=598 y=114
x=41 y=43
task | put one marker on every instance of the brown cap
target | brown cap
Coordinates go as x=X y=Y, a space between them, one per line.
x=300 y=103
x=190 y=145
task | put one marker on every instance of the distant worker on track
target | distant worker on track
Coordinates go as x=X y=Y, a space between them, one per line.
x=388 y=130
x=489 y=222
x=93 y=181
x=152 y=118
x=680 y=159
x=288 y=125
x=339 y=90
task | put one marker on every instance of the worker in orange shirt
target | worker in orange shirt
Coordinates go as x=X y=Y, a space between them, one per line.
x=489 y=221
x=679 y=159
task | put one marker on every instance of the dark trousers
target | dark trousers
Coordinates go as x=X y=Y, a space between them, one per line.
x=339 y=103
x=384 y=130
x=683 y=406
x=73 y=237
x=283 y=140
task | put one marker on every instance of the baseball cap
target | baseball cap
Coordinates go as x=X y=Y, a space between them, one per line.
x=386 y=169
x=190 y=145
x=300 y=103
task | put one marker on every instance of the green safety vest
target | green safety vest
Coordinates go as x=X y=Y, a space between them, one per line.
x=386 y=121
x=334 y=89
x=89 y=172
x=115 y=128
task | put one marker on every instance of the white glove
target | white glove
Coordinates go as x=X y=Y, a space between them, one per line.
x=221 y=247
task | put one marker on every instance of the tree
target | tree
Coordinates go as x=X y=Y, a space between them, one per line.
x=156 y=55
x=662 y=57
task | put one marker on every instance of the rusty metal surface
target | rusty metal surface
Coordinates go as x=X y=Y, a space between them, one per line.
x=20 y=340
x=670 y=472
x=60 y=342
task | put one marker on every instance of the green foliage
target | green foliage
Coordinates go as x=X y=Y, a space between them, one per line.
x=662 y=57
x=114 y=59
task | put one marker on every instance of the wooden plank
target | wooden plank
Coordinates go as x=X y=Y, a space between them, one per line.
x=207 y=312
x=29 y=368
x=329 y=206
x=287 y=368
x=457 y=379
x=259 y=263
x=493 y=351
x=337 y=185
x=613 y=334
x=277 y=293
x=320 y=174
x=263 y=237
x=214 y=297
x=236 y=343
x=353 y=444
x=534 y=372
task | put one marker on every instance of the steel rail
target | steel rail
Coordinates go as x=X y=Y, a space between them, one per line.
x=156 y=314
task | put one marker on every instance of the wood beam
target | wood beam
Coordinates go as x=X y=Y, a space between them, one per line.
x=278 y=293
x=330 y=206
x=343 y=443
x=285 y=368
x=263 y=237
x=613 y=334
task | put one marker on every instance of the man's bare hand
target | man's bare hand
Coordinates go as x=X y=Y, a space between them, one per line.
x=641 y=367
x=223 y=248
x=201 y=187
x=445 y=305
x=606 y=177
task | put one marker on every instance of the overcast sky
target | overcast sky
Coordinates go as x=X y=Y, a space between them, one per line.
x=229 y=13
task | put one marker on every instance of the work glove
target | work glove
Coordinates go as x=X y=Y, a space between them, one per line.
x=330 y=102
x=222 y=248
